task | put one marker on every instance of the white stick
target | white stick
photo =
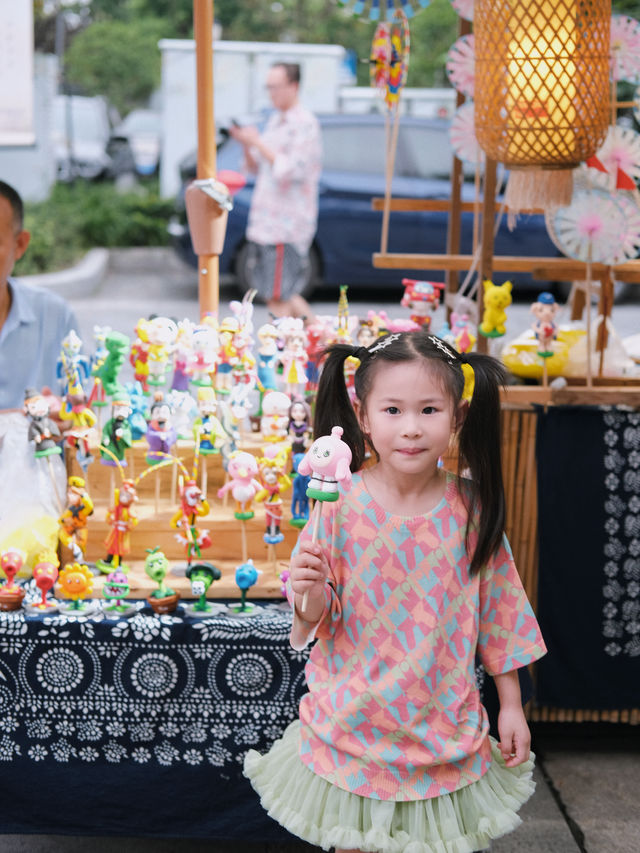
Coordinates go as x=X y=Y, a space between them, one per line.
x=314 y=538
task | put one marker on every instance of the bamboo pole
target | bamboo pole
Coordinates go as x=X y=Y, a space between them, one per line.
x=208 y=265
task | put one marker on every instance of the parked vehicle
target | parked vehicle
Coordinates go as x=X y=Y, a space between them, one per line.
x=141 y=128
x=348 y=229
x=84 y=144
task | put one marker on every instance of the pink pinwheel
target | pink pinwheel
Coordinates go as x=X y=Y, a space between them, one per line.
x=624 y=51
x=464 y=8
x=463 y=136
x=461 y=65
x=629 y=238
x=619 y=154
x=588 y=229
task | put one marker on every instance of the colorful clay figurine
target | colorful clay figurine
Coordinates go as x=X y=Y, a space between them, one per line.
x=161 y=333
x=299 y=426
x=164 y=599
x=116 y=348
x=267 y=356
x=97 y=396
x=243 y=485
x=544 y=327
x=161 y=434
x=367 y=333
x=246 y=577
x=116 y=433
x=462 y=330
x=45 y=574
x=182 y=356
x=422 y=298
x=274 y=423
x=73 y=366
x=203 y=362
x=75 y=409
x=139 y=355
x=139 y=410
x=43 y=431
x=275 y=481
x=121 y=518
x=11 y=593
x=327 y=461
x=75 y=582
x=201 y=576
x=207 y=429
x=294 y=359
x=115 y=590
x=299 y=499
x=193 y=505
x=497 y=297
x=73 y=521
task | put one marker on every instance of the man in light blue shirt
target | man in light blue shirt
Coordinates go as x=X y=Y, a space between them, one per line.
x=33 y=322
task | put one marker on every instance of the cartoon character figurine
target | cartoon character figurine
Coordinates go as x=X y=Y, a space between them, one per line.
x=139 y=410
x=45 y=574
x=299 y=426
x=275 y=481
x=327 y=461
x=294 y=359
x=193 y=505
x=106 y=372
x=73 y=366
x=274 y=423
x=422 y=298
x=116 y=433
x=162 y=333
x=139 y=355
x=544 y=327
x=115 y=589
x=11 y=593
x=161 y=435
x=73 y=521
x=243 y=485
x=201 y=576
x=76 y=583
x=462 y=332
x=204 y=354
x=267 y=356
x=122 y=519
x=207 y=429
x=163 y=599
x=497 y=297
x=246 y=577
x=43 y=430
x=76 y=409
x=299 y=499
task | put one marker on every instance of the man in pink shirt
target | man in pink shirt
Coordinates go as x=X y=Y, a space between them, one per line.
x=287 y=158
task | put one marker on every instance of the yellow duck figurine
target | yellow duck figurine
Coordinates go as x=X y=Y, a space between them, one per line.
x=497 y=297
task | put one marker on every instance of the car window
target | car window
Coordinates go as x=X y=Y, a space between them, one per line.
x=354 y=148
x=427 y=153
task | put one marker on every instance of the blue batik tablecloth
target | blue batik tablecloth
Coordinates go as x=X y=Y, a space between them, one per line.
x=139 y=726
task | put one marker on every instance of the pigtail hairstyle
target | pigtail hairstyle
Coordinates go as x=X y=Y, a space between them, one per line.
x=479 y=449
x=333 y=406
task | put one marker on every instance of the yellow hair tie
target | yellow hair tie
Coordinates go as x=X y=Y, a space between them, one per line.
x=469 y=381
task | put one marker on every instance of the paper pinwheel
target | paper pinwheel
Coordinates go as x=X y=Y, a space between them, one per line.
x=464 y=8
x=380 y=10
x=629 y=239
x=399 y=60
x=380 y=57
x=588 y=229
x=463 y=136
x=619 y=158
x=461 y=65
x=624 y=50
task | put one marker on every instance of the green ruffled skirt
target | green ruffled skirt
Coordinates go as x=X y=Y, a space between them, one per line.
x=321 y=813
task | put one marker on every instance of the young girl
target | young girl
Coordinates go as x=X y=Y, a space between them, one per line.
x=410 y=577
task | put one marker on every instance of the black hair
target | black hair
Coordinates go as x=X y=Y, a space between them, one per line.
x=14 y=199
x=291 y=70
x=479 y=435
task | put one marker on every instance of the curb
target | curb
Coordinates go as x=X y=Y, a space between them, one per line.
x=83 y=279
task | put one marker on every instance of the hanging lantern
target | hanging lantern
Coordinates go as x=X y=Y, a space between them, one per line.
x=542 y=91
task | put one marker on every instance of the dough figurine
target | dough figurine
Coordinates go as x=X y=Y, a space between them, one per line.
x=246 y=577
x=45 y=574
x=122 y=519
x=497 y=297
x=161 y=435
x=201 y=576
x=544 y=327
x=422 y=298
x=43 y=431
x=164 y=599
x=73 y=521
x=116 y=434
x=11 y=593
x=243 y=485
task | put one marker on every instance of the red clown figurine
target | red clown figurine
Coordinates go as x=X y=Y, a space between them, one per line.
x=422 y=297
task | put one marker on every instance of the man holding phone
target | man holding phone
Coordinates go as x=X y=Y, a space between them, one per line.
x=287 y=158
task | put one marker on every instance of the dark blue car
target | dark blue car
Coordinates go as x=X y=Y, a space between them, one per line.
x=348 y=229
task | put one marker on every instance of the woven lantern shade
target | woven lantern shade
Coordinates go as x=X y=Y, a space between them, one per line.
x=542 y=91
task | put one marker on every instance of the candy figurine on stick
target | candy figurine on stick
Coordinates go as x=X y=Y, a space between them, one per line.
x=11 y=593
x=246 y=577
x=45 y=574
x=163 y=599
x=544 y=327
x=327 y=461
x=201 y=576
x=497 y=297
x=115 y=590
x=243 y=483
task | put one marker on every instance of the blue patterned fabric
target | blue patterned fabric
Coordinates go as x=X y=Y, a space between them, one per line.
x=140 y=726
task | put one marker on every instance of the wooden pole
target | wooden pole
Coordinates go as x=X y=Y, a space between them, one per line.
x=486 y=240
x=208 y=265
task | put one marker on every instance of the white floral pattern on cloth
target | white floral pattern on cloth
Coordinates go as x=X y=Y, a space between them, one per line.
x=621 y=584
x=147 y=690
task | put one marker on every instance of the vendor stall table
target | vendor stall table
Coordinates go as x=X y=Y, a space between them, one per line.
x=139 y=726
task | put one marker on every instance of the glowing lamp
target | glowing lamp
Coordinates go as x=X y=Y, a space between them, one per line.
x=542 y=91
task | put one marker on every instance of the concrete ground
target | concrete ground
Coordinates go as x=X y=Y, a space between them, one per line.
x=588 y=775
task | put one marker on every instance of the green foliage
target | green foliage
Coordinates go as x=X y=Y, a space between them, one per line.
x=77 y=217
x=118 y=59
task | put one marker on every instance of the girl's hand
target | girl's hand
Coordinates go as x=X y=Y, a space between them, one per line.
x=308 y=572
x=515 y=737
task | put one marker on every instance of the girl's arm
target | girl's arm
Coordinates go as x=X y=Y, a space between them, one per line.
x=515 y=737
x=308 y=572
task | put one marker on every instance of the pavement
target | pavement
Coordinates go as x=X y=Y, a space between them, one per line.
x=587 y=774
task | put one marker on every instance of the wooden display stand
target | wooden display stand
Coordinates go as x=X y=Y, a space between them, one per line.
x=159 y=501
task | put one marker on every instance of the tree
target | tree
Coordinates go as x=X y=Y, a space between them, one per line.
x=118 y=59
